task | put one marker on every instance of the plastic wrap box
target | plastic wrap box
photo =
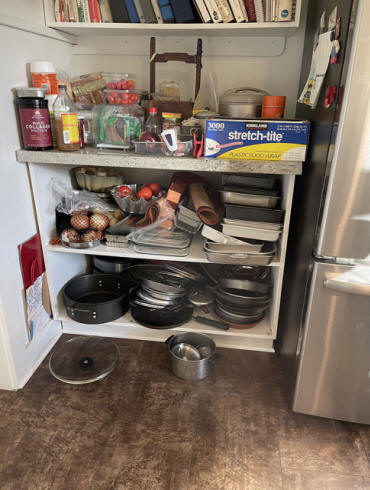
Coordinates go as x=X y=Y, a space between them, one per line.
x=257 y=139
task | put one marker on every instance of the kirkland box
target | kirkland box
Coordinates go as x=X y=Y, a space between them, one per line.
x=257 y=139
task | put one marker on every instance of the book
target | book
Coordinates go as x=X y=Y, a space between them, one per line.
x=249 y=5
x=166 y=11
x=105 y=11
x=236 y=10
x=119 y=11
x=260 y=14
x=225 y=11
x=81 y=17
x=94 y=11
x=57 y=11
x=182 y=11
x=284 y=10
x=145 y=11
x=131 y=11
x=72 y=10
x=157 y=11
x=202 y=11
x=213 y=11
x=244 y=10
x=85 y=8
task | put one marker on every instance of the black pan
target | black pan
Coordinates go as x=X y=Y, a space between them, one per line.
x=163 y=318
x=96 y=298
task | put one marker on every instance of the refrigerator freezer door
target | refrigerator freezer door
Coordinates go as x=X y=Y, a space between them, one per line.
x=345 y=225
x=334 y=367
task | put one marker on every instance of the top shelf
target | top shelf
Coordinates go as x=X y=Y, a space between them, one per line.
x=119 y=158
x=118 y=29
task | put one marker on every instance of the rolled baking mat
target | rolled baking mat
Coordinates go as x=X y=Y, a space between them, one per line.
x=207 y=211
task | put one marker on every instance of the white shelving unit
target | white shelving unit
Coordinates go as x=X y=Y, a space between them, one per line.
x=197 y=29
x=64 y=263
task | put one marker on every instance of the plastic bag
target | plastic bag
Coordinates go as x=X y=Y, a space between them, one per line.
x=71 y=201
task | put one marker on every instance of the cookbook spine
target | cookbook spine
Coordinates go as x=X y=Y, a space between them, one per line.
x=237 y=11
x=258 y=6
x=132 y=12
x=157 y=11
x=85 y=8
x=213 y=11
x=225 y=11
x=202 y=10
x=249 y=5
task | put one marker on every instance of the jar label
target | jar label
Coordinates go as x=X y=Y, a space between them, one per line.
x=70 y=128
x=47 y=81
x=36 y=129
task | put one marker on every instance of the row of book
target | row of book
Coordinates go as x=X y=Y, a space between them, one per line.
x=169 y=11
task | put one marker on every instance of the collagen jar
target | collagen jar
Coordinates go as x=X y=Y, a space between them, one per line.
x=34 y=119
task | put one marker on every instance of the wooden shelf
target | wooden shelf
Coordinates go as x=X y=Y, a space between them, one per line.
x=196 y=253
x=118 y=158
x=118 y=29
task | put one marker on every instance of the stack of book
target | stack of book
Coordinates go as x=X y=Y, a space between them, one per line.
x=169 y=11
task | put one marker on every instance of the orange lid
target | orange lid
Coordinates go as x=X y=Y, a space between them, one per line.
x=274 y=100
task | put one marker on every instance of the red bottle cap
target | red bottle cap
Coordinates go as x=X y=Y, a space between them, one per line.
x=153 y=110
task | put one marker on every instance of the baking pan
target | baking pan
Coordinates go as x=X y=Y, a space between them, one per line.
x=92 y=244
x=111 y=265
x=250 y=213
x=250 y=272
x=245 y=285
x=264 y=257
x=162 y=286
x=237 y=319
x=240 y=297
x=96 y=298
x=259 y=200
x=240 y=326
x=154 y=250
x=244 y=247
x=247 y=310
x=262 y=225
x=218 y=236
x=248 y=181
x=251 y=232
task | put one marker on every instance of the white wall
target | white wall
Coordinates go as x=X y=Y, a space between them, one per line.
x=17 y=220
x=31 y=10
x=244 y=62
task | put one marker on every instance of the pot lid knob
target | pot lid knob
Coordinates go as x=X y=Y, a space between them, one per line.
x=85 y=363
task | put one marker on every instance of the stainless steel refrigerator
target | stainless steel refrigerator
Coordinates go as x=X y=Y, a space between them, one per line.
x=324 y=331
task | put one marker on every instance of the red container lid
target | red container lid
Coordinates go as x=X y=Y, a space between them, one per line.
x=153 y=110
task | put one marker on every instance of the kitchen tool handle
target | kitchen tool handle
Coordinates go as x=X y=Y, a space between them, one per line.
x=212 y=323
x=350 y=287
x=72 y=310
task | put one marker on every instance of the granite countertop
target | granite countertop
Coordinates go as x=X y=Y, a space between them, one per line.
x=118 y=158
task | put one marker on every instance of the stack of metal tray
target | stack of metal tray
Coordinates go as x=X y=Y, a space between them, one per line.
x=240 y=254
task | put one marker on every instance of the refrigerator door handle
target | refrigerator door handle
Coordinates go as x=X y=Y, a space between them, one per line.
x=340 y=286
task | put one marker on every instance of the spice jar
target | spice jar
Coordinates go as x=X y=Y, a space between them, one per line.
x=171 y=120
x=34 y=119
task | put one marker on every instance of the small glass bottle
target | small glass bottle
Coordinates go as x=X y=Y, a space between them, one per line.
x=66 y=121
x=153 y=123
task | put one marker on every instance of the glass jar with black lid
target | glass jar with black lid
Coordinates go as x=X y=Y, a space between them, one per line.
x=34 y=118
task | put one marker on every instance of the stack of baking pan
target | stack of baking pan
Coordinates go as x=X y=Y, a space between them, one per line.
x=163 y=242
x=243 y=295
x=161 y=301
x=224 y=249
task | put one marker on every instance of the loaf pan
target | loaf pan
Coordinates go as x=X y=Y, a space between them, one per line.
x=261 y=225
x=251 y=213
x=248 y=181
x=245 y=247
x=259 y=200
x=258 y=258
x=251 y=232
x=218 y=236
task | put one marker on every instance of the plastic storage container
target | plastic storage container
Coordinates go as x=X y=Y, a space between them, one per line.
x=117 y=126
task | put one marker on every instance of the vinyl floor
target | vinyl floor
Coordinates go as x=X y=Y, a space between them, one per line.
x=142 y=428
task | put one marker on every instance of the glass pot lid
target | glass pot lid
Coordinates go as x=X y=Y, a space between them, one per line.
x=83 y=359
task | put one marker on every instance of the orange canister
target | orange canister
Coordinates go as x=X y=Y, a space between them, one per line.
x=273 y=106
x=44 y=76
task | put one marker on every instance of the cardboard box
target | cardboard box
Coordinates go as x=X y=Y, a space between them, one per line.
x=256 y=139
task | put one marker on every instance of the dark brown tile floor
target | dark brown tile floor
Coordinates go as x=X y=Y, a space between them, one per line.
x=141 y=428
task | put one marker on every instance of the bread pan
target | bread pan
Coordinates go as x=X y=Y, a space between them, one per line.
x=249 y=181
x=264 y=257
x=232 y=248
x=251 y=232
x=250 y=213
x=218 y=236
x=259 y=200
x=239 y=297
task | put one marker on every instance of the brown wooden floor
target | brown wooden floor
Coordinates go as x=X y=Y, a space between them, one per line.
x=142 y=428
